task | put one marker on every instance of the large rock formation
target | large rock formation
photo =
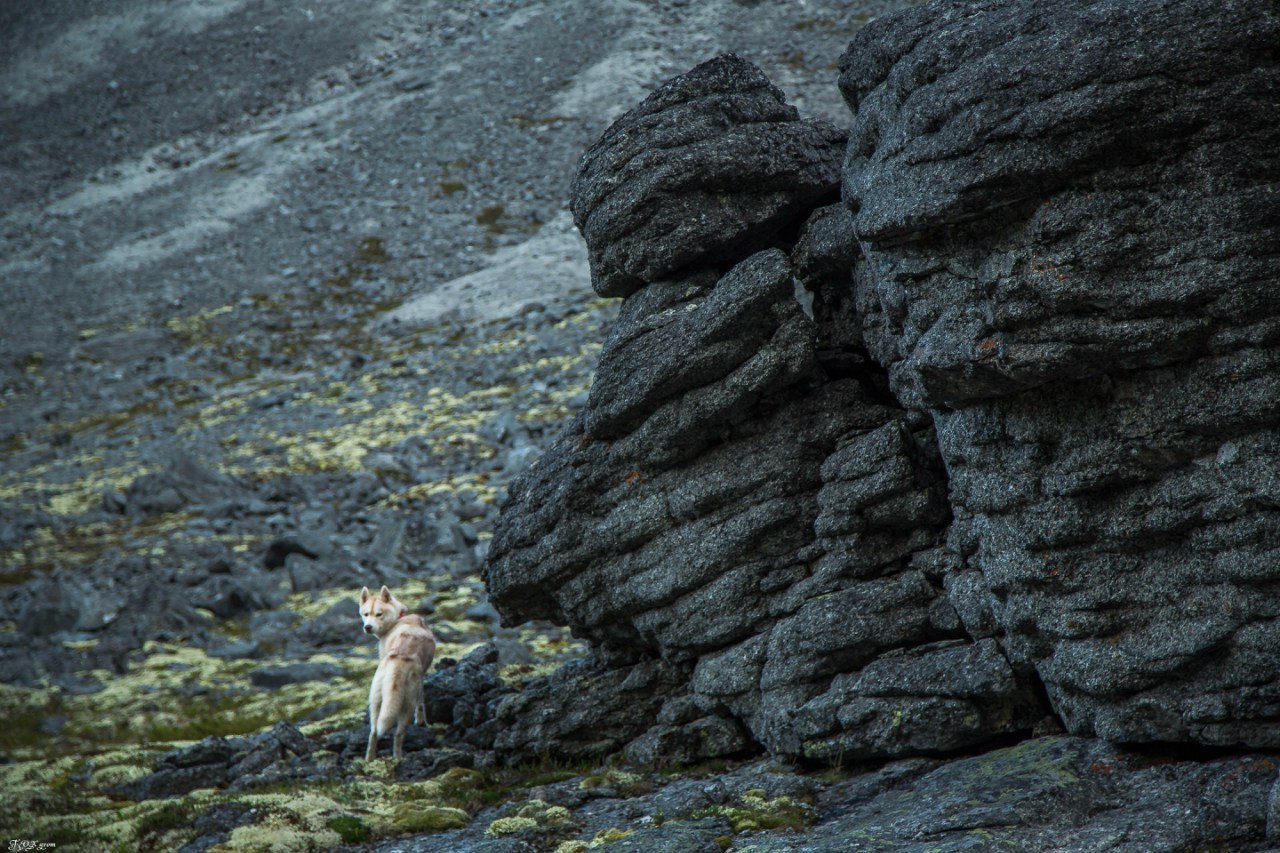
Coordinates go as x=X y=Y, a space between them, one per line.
x=996 y=437
x=742 y=499
x=1070 y=226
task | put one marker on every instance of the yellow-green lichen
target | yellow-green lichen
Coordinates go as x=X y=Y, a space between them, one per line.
x=173 y=693
x=532 y=816
x=504 y=826
x=755 y=811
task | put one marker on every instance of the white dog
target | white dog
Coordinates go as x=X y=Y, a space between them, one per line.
x=405 y=649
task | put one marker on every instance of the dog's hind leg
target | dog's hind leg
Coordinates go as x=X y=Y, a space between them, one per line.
x=375 y=706
x=401 y=726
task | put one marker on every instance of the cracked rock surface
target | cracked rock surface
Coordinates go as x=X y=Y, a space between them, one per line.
x=1071 y=261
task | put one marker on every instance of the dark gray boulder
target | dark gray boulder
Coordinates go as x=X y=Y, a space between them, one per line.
x=218 y=761
x=184 y=482
x=1068 y=215
x=294 y=673
x=714 y=162
x=466 y=694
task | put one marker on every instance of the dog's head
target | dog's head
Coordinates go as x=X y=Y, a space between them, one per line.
x=379 y=612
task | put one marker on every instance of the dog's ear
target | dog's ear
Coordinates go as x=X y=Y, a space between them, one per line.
x=364 y=594
x=385 y=593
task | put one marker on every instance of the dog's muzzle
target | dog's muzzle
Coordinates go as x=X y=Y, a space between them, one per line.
x=368 y=629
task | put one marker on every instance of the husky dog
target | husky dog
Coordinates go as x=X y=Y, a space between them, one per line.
x=405 y=649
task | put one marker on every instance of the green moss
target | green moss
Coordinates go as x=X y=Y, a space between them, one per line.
x=491 y=215
x=173 y=814
x=419 y=817
x=23 y=710
x=172 y=693
x=548 y=776
x=13 y=443
x=350 y=828
x=470 y=790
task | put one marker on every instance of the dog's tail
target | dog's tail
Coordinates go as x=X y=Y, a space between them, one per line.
x=395 y=693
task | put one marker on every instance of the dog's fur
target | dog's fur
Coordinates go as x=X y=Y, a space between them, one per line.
x=405 y=649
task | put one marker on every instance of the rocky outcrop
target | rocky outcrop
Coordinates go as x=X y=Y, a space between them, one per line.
x=1071 y=264
x=997 y=436
x=743 y=500
x=712 y=163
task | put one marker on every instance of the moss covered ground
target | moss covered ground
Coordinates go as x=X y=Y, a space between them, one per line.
x=420 y=394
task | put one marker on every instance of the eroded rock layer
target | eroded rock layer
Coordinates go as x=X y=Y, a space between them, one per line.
x=1071 y=263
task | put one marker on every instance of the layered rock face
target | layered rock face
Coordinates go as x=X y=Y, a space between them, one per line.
x=995 y=436
x=1071 y=226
